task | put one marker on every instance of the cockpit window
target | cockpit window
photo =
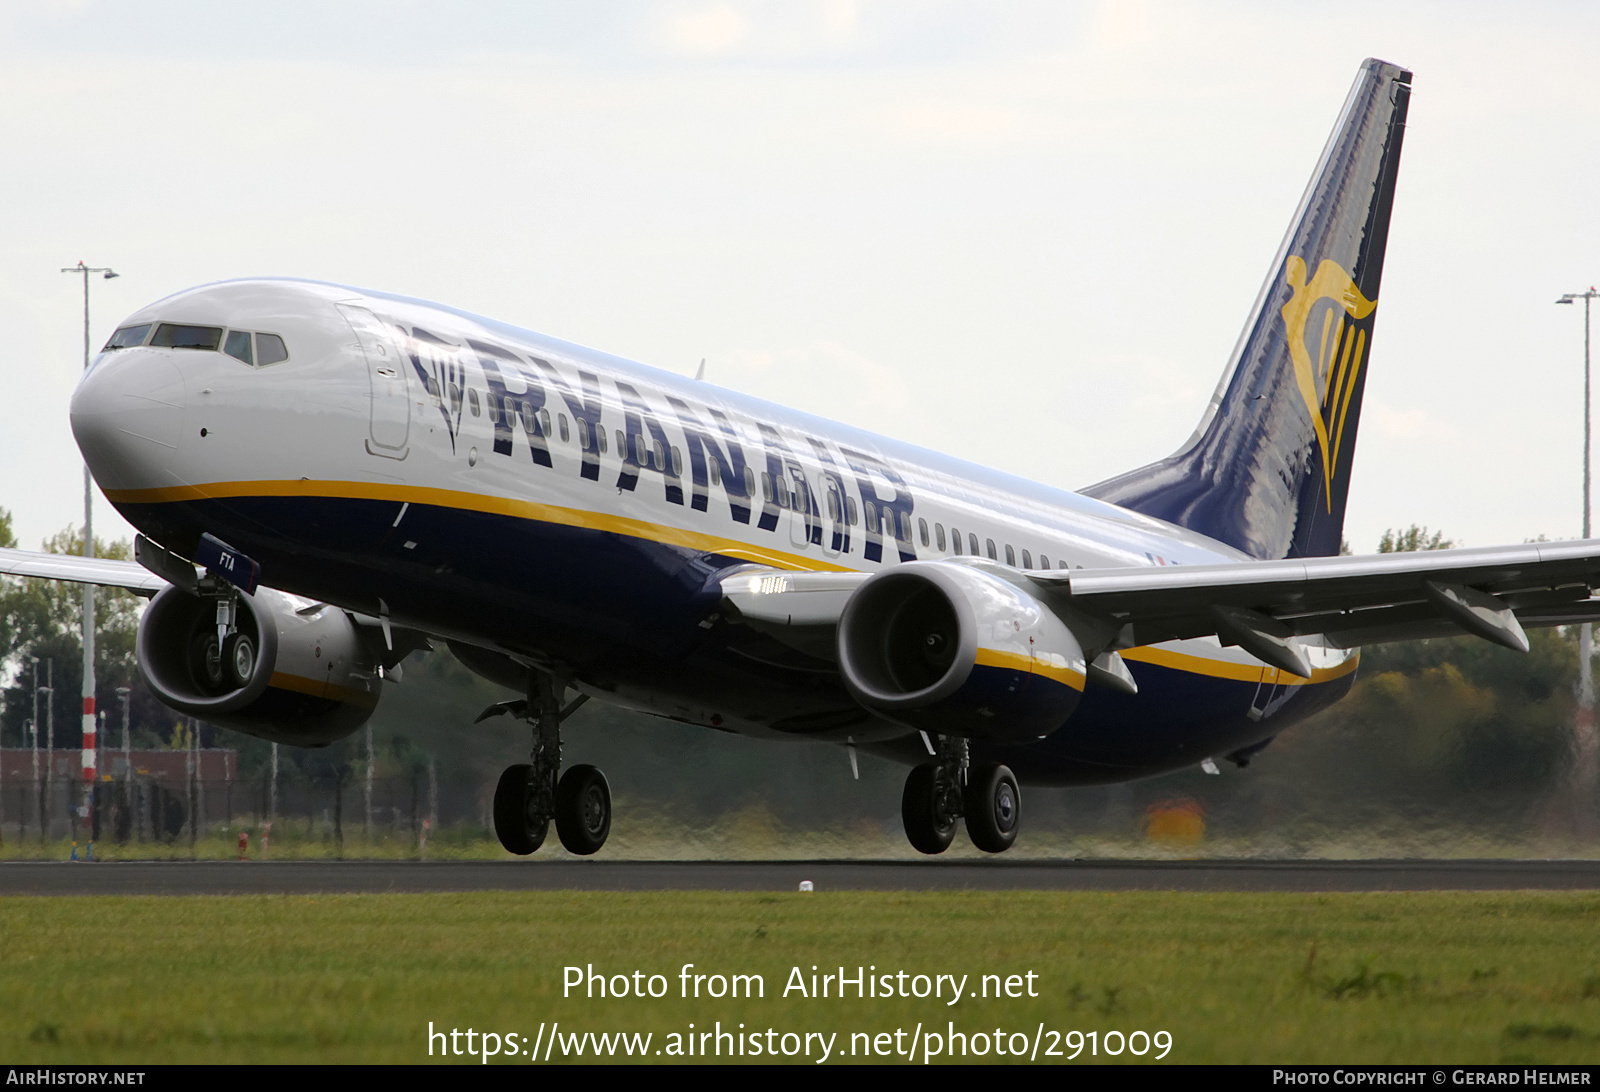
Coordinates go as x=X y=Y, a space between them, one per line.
x=270 y=350
x=238 y=345
x=128 y=337
x=170 y=335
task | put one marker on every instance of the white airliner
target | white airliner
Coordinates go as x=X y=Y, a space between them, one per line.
x=393 y=472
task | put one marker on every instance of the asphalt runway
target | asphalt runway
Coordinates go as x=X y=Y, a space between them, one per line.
x=312 y=877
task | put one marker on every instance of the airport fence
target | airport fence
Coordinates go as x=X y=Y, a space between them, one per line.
x=145 y=803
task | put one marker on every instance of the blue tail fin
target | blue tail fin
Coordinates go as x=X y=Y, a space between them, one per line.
x=1268 y=470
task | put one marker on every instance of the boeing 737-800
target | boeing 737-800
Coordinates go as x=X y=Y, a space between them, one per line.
x=361 y=474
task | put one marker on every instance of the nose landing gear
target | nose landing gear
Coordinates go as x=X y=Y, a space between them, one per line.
x=530 y=795
x=940 y=792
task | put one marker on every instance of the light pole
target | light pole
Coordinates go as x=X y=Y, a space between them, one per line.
x=49 y=747
x=89 y=718
x=38 y=786
x=1585 y=744
x=124 y=693
x=125 y=821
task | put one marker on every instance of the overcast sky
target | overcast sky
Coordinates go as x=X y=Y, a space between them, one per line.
x=1026 y=234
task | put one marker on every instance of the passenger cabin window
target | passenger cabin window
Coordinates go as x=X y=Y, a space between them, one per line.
x=1063 y=565
x=1011 y=556
x=472 y=396
x=922 y=530
x=270 y=350
x=990 y=543
x=1044 y=562
x=716 y=472
x=128 y=337
x=238 y=346
x=955 y=539
x=561 y=420
x=1027 y=560
x=170 y=335
x=544 y=422
x=938 y=535
x=850 y=507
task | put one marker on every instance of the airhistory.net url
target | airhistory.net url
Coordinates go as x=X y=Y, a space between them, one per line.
x=919 y=1045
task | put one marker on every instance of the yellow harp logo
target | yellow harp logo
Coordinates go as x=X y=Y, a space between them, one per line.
x=1326 y=382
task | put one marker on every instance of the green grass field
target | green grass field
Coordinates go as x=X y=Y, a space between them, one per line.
x=1439 y=977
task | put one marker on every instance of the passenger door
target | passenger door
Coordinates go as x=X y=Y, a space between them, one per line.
x=390 y=429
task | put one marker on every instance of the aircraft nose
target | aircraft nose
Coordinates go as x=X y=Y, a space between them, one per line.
x=127 y=416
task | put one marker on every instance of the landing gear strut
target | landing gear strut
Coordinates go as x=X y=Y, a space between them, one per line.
x=530 y=794
x=946 y=789
x=222 y=657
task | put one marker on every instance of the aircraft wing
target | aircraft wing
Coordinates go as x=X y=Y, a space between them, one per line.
x=1351 y=600
x=1261 y=606
x=103 y=571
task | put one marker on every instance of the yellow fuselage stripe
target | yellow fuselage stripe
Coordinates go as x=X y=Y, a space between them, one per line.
x=332 y=691
x=478 y=502
x=993 y=657
x=1227 y=669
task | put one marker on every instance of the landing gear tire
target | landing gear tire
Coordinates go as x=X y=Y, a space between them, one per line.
x=516 y=820
x=238 y=659
x=583 y=810
x=994 y=807
x=205 y=663
x=927 y=809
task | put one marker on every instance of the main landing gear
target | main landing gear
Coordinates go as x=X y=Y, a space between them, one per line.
x=948 y=788
x=530 y=794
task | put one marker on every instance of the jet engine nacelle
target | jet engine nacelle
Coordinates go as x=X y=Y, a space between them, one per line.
x=298 y=676
x=949 y=648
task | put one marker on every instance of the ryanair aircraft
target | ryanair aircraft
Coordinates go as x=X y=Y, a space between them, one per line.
x=360 y=475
